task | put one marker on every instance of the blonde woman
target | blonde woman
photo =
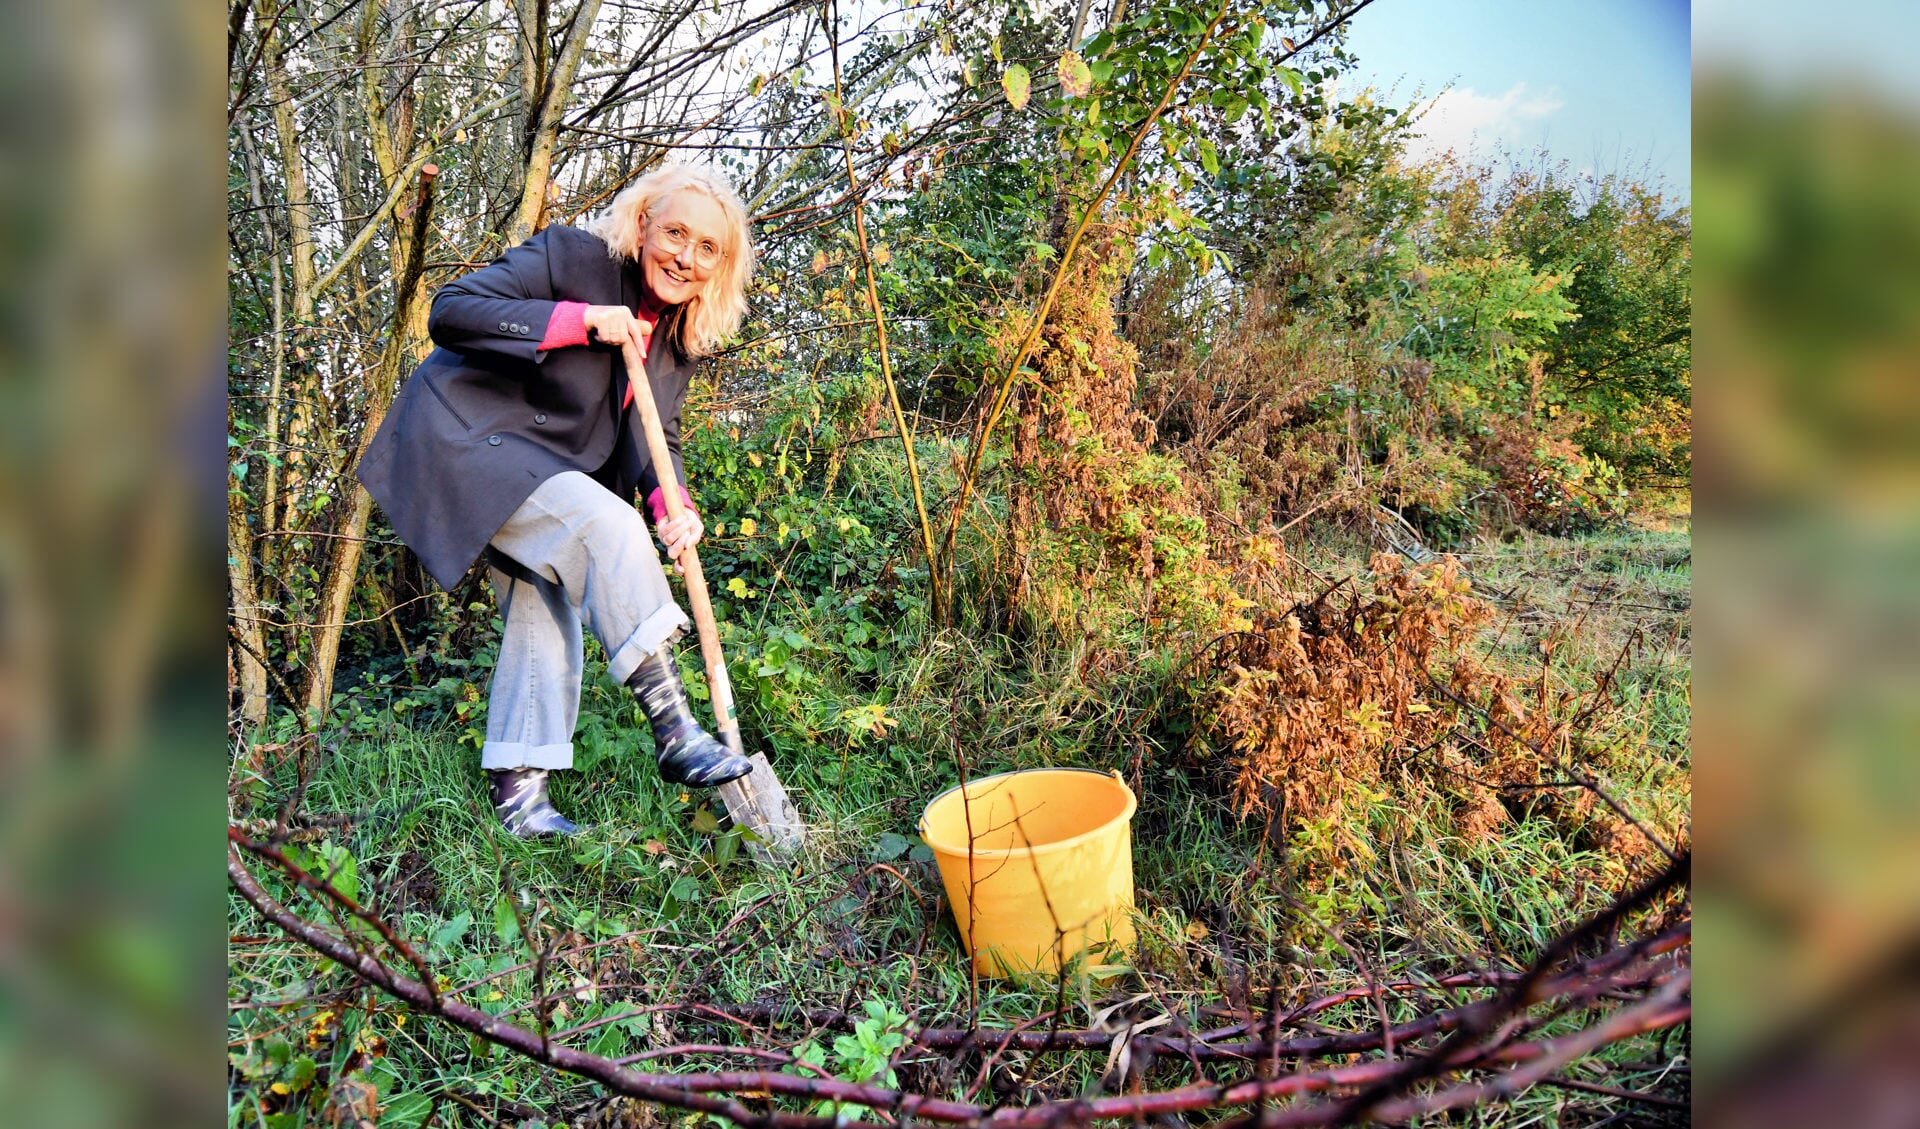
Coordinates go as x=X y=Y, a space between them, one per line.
x=516 y=439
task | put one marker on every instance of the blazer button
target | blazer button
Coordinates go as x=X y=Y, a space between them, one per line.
x=503 y=327
x=541 y=418
x=493 y=440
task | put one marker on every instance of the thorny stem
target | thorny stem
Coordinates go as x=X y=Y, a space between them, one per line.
x=1523 y=993
x=1486 y=1036
x=328 y=890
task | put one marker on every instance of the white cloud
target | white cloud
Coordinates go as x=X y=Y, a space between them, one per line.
x=1471 y=123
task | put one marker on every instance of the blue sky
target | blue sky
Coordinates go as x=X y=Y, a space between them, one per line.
x=1603 y=84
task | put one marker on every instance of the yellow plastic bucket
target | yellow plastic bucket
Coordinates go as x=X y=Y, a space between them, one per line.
x=1038 y=866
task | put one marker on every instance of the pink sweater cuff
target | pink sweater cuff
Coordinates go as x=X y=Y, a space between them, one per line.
x=567 y=326
x=657 y=502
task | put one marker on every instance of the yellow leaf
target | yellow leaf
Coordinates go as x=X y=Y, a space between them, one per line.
x=748 y=527
x=1419 y=707
x=1015 y=83
x=1196 y=931
x=882 y=256
x=1076 y=78
x=784 y=530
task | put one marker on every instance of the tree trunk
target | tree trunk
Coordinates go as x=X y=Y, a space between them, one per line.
x=545 y=133
x=243 y=590
x=299 y=203
x=243 y=596
x=343 y=567
x=276 y=387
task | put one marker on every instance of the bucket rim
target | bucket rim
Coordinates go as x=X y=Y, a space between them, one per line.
x=1126 y=814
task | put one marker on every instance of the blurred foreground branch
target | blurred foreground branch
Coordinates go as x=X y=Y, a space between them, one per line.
x=1481 y=1052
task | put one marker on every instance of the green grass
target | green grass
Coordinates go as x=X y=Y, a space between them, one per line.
x=1220 y=907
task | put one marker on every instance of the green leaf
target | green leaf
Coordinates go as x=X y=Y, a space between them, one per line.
x=726 y=847
x=889 y=847
x=685 y=889
x=451 y=933
x=609 y=1042
x=406 y=1111
x=334 y=864
x=1017 y=84
x=704 y=821
x=505 y=925
x=1209 y=157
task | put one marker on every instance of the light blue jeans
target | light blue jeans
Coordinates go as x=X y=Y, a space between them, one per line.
x=572 y=553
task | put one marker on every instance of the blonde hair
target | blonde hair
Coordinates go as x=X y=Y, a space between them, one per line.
x=713 y=315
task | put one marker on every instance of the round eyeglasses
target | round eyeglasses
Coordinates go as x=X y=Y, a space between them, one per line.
x=675 y=238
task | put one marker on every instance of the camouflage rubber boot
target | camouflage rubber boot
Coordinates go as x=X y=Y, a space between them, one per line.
x=686 y=753
x=520 y=800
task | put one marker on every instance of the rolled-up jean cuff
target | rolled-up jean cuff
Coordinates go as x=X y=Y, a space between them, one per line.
x=654 y=632
x=496 y=755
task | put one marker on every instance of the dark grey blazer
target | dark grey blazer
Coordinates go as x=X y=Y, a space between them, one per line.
x=487 y=418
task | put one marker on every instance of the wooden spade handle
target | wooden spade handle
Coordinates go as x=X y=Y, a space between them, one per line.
x=757 y=801
x=697 y=597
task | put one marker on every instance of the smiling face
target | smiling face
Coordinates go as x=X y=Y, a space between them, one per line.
x=684 y=236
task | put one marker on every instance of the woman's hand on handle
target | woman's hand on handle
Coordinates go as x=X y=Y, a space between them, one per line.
x=680 y=534
x=615 y=325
